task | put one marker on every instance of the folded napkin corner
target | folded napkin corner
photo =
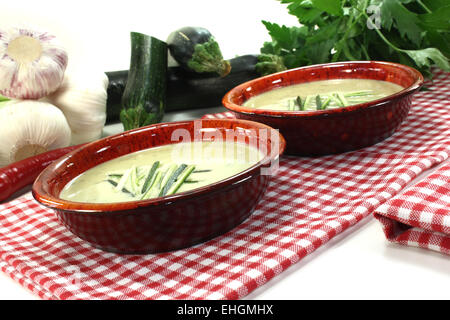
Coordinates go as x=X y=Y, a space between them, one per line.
x=420 y=217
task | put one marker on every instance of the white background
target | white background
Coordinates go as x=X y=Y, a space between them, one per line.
x=97 y=32
x=357 y=264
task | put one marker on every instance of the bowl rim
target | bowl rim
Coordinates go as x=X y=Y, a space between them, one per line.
x=55 y=202
x=227 y=100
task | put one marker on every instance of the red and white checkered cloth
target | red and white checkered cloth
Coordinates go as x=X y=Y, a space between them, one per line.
x=307 y=203
x=420 y=216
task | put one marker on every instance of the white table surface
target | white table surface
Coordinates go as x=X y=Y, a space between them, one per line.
x=356 y=264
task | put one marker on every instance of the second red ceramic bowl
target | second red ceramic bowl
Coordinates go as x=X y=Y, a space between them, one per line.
x=313 y=133
x=170 y=222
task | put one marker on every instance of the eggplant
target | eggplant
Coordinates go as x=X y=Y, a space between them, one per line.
x=186 y=90
x=116 y=87
x=195 y=49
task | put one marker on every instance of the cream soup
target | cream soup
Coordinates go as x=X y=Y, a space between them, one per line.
x=321 y=95
x=161 y=171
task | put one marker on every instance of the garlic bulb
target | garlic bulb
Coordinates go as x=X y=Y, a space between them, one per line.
x=7 y=102
x=28 y=128
x=32 y=63
x=82 y=98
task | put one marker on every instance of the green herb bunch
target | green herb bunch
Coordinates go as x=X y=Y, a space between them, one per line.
x=411 y=32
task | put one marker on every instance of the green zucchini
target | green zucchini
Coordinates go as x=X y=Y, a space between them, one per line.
x=144 y=96
x=186 y=90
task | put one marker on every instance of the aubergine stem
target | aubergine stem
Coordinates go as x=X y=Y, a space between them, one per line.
x=207 y=57
x=269 y=63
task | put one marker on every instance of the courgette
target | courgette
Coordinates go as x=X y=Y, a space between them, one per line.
x=144 y=96
x=195 y=49
x=187 y=90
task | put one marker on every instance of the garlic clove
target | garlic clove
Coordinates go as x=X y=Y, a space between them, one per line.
x=32 y=63
x=29 y=128
x=82 y=98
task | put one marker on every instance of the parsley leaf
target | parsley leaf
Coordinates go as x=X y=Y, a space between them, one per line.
x=411 y=32
x=330 y=6
x=406 y=22
x=425 y=57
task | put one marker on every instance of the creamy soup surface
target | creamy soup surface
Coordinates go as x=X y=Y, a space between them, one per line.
x=155 y=172
x=331 y=93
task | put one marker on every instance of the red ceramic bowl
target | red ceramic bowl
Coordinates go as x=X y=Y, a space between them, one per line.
x=165 y=223
x=312 y=133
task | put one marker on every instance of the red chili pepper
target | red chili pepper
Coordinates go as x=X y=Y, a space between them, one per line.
x=20 y=174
